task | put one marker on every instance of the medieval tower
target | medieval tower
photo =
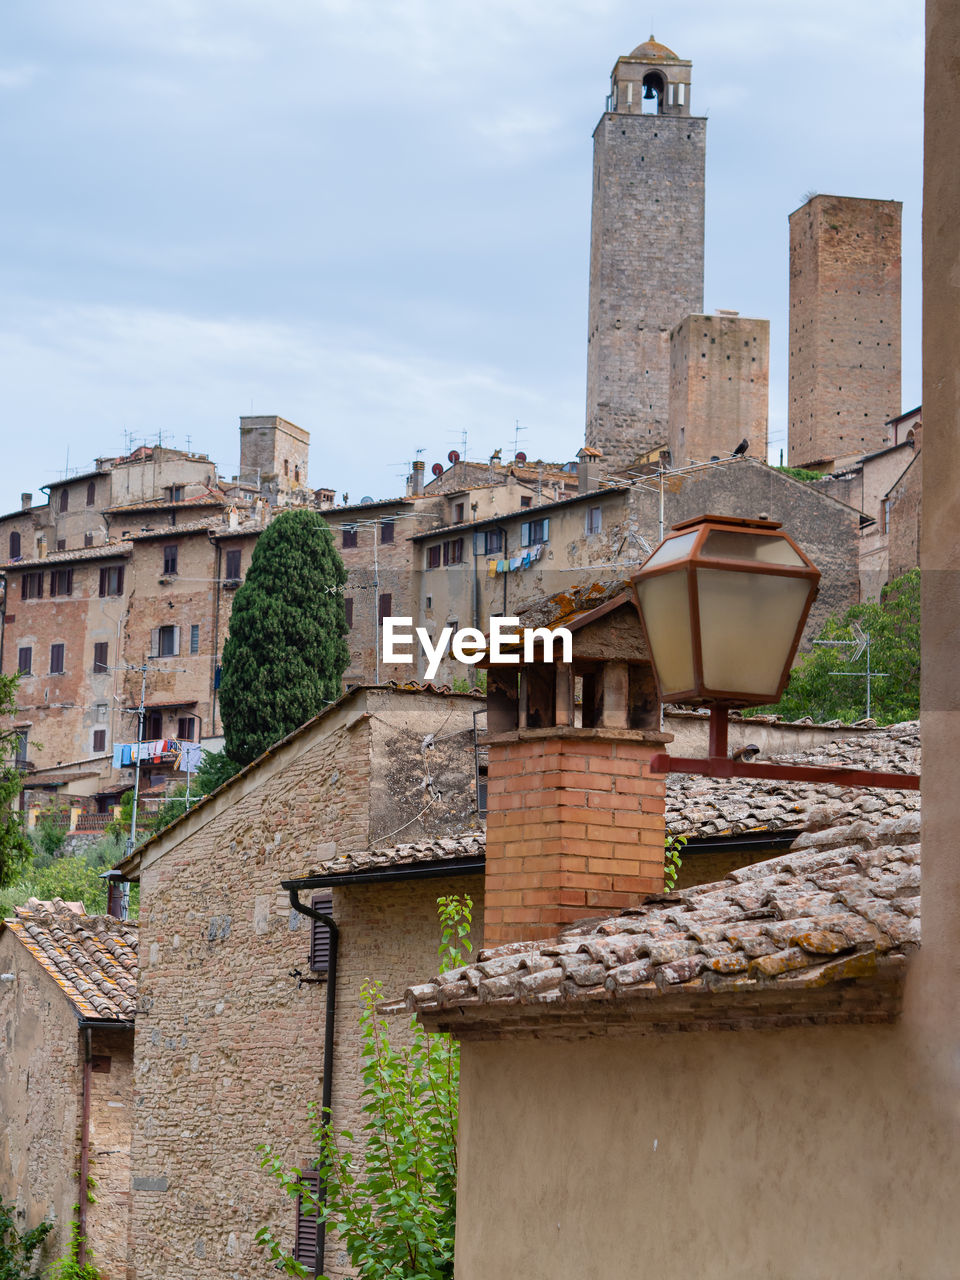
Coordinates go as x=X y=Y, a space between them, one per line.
x=844 y=327
x=646 y=250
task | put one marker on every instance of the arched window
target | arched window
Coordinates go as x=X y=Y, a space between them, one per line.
x=91 y=493
x=64 y=499
x=14 y=546
x=651 y=103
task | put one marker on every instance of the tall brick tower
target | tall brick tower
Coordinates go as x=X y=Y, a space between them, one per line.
x=844 y=327
x=646 y=249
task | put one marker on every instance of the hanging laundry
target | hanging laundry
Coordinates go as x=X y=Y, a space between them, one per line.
x=525 y=560
x=514 y=563
x=118 y=749
x=126 y=754
x=492 y=568
x=191 y=754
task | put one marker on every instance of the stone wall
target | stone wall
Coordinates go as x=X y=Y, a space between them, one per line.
x=229 y=1049
x=844 y=326
x=719 y=387
x=111 y=1129
x=905 y=519
x=646 y=272
x=40 y=1096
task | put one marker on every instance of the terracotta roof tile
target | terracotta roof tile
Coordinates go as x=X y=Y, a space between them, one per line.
x=93 y=959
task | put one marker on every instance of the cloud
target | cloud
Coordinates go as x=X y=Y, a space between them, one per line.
x=18 y=77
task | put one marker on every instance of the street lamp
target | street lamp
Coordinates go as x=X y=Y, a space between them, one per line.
x=723 y=602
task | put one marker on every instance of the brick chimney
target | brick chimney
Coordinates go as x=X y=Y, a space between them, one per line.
x=416 y=478
x=588 y=470
x=26 y=501
x=575 y=819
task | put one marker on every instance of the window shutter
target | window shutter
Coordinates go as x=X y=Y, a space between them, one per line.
x=320 y=934
x=525 y=534
x=545 y=536
x=176 y=642
x=155 y=643
x=305 y=1249
x=103 y=582
x=120 y=581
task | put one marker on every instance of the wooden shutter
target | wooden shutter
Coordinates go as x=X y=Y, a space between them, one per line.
x=320 y=933
x=155 y=643
x=305 y=1249
x=348 y=610
x=176 y=642
x=103 y=582
x=385 y=605
x=525 y=534
x=100 y=657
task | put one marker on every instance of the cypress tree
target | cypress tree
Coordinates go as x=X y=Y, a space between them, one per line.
x=285 y=652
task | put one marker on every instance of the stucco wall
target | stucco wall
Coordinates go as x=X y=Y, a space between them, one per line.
x=820 y=1152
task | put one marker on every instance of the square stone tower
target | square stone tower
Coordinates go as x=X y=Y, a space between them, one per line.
x=646 y=250
x=844 y=327
x=719 y=387
x=274 y=453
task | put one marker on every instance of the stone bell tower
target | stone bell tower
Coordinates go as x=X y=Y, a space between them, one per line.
x=646 y=250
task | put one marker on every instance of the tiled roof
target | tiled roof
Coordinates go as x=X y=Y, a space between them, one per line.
x=470 y=844
x=108 y=551
x=208 y=499
x=699 y=807
x=93 y=959
x=216 y=523
x=821 y=933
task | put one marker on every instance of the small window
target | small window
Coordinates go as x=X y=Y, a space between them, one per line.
x=56 y=659
x=305 y=1246
x=169 y=561
x=99 y=740
x=534 y=532
x=155 y=725
x=320 y=933
x=25 y=661
x=111 y=580
x=233 y=566
x=176 y=493
x=14 y=546
x=453 y=551
x=349 y=535
x=186 y=727
x=457 y=512
x=20 y=745
x=385 y=606
x=433 y=556
x=296 y=475
x=31 y=586
x=88 y=539
x=61 y=582
x=885 y=516
x=61 y=544
x=526 y=502
x=286 y=466
x=386 y=531
x=100 y=659
x=101 y=710
x=195 y=637
x=493 y=541
x=348 y=610
x=165 y=642
x=594 y=519
x=64 y=499
x=91 y=493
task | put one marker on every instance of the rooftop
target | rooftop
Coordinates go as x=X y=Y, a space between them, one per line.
x=108 y=551
x=652 y=51
x=92 y=959
x=821 y=934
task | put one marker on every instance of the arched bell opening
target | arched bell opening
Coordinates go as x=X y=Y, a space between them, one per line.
x=651 y=100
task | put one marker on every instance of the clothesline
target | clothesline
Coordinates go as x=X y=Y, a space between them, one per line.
x=515 y=562
x=188 y=754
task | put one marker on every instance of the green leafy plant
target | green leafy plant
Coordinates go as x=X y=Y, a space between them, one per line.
x=672 y=860
x=74 y=877
x=69 y=1266
x=18 y=1249
x=803 y=474
x=894 y=626
x=286 y=650
x=49 y=835
x=390 y=1193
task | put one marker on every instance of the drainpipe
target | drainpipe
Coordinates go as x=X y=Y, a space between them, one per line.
x=330 y=1019
x=84 y=1148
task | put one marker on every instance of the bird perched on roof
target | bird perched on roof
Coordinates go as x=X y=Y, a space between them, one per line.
x=749 y=752
x=741 y=449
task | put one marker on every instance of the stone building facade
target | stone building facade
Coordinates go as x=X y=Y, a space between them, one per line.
x=229 y=1046
x=719 y=387
x=844 y=327
x=646 y=248
x=66 y=1090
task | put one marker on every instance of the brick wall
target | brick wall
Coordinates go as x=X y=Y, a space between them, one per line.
x=575 y=827
x=844 y=326
x=111 y=1129
x=646 y=272
x=905 y=512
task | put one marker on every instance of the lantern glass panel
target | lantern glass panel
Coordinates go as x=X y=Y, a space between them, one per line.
x=759 y=548
x=672 y=549
x=665 y=601
x=747 y=627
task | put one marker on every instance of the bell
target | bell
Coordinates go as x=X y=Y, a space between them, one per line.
x=648 y=92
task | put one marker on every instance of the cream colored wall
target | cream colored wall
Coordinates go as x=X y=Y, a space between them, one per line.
x=820 y=1152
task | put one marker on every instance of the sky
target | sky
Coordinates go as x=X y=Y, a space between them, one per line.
x=372 y=216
